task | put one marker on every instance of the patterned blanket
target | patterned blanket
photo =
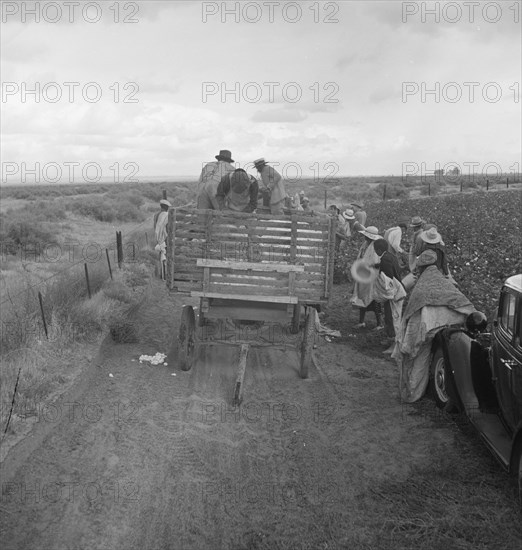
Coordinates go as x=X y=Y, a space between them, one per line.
x=433 y=289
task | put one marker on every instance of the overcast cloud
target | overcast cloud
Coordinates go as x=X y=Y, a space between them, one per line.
x=309 y=92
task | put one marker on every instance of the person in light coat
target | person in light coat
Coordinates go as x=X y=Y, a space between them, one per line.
x=210 y=177
x=272 y=180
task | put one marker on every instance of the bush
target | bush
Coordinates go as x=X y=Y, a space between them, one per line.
x=393 y=190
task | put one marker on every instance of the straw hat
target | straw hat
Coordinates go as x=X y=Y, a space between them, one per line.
x=431 y=236
x=165 y=202
x=416 y=221
x=362 y=272
x=371 y=232
x=348 y=214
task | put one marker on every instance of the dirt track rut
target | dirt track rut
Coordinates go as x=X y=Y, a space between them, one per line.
x=155 y=461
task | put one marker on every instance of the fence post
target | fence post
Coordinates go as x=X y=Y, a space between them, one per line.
x=325 y=193
x=429 y=189
x=119 y=248
x=487 y=184
x=384 y=193
x=108 y=261
x=87 y=279
x=507 y=183
x=164 y=194
x=43 y=314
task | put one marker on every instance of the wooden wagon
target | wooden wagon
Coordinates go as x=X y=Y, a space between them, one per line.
x=249 y=267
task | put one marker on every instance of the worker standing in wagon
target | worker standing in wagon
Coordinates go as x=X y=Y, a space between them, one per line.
x=210 y=177
x=237 y=191
x=273 y=181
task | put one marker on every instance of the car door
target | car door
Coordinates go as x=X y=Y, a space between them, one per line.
x=504 y=361
x=517 y=367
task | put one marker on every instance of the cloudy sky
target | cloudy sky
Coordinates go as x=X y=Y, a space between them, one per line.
x=316 y=87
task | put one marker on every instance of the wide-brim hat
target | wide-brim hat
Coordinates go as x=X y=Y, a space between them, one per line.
x=165 y=202
x=371 y=232
x=428 y=257
x=403 y=222
x=416 y=221
x=358 y=226
x=362 y=272
x=431 y=236
x=260 y=162
x=348 y=214
x=239 y=181
x=306 y=199
x=225 y=155
x=357 y=204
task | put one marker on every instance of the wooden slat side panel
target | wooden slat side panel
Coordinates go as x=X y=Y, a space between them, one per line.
x=254 y=266
x=246 y=297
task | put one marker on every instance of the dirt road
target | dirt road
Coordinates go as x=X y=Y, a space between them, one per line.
x=155 y=458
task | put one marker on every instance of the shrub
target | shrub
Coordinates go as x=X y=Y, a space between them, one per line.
x=393 y=190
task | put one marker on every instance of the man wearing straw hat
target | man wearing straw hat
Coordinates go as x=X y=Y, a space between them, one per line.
x=272 y=181
x=348 y=220
x=362 y=297
x=210 y=177
x=432 y=240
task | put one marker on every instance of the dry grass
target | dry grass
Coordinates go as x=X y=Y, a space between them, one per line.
x=73 y=322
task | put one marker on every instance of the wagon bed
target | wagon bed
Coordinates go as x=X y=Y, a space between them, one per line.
x=279 y=259
x=250 y=267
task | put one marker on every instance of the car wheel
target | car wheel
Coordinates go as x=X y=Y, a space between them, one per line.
x=439 y=381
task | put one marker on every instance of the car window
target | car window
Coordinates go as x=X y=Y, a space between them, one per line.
x=507 y=315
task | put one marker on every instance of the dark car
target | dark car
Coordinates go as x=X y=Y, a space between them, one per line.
x=480 y=375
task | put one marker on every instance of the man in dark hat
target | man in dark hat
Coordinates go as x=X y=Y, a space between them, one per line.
x=210 y=177
x=272 y=181
x=237 y=191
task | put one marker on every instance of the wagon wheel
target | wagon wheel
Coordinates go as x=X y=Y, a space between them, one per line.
x=296 y=319
x=308 y=342
x=202 y=321
x=187 y=338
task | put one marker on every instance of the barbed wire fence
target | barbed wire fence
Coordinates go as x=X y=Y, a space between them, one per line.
x=28 y=312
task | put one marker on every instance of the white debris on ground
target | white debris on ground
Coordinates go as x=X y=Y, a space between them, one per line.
x=154 y=359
